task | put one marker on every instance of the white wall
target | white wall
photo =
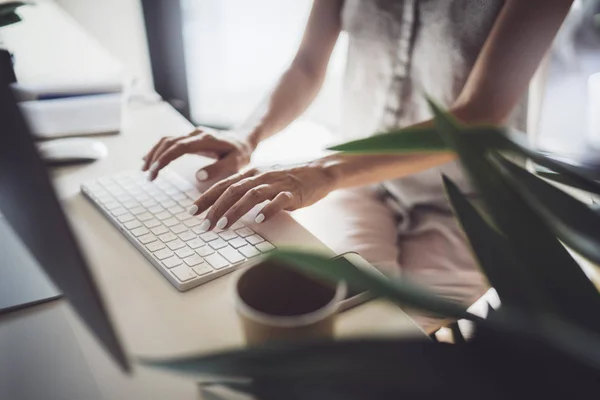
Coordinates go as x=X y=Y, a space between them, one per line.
x=119 y=26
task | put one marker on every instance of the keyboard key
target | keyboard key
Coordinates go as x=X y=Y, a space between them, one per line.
x=161 y=197
x=163 y=215
x=140 y=231
x=147 y=238
x=172 y=262
x=131 y=204
x=168 y=203
x=254 y=239
x=147 y=203
x=164 y=253
x=193 y=194
x=132 y=224
x=183 y=273
x=202 y=269
x=237 y=225
x=145 y=216
x=167 y=237
x=153 y=223
x=178 y=196
x=237 y=242
x=218 y=244
x=176 y=244
x=204 y=251
x=265 y=246
x=171 y=191
x=155 y=246
x=208 y=236
x=177 y=229
x=195 y=243
x=187 y=235
x=245 y=232
x=232 y=255
x=185 y=252
x=249 y=251
x=155 y=209
x=198 y=231
x=170 y=222
x=193 y=260
x=151 y=190
x=126 y=218
x=228 y=235
x=137 y=210
x=193 y=222
x=175 y=209
x=159 y=230
x=111 y=205
x=183 y=216
x=118 y=211
x=186 y=203
x=124 y=198
x=216 y=261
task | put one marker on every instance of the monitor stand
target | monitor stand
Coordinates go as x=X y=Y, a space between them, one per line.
x=22 y=282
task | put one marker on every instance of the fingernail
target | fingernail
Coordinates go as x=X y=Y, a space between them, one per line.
x=222 y=223
x=205 y=225
x=259 y=218
x=154 y=166
x=193 y=209
x=202 y=175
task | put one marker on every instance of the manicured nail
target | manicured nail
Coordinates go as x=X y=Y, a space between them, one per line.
x=222 y=223
x=202 y=175
x=259 y=218
x=193 y=209
x=154 y=166
x=205 y=225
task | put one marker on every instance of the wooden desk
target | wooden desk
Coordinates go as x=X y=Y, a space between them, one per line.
x=152 y=317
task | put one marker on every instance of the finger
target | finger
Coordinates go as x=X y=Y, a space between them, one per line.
x=148 y=157
x=209 y=197
x=226 y=211
x=166 y=144
x=219 y=169
x=280 y=203
x=178 y=148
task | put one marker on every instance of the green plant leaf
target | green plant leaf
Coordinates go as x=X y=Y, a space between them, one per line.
x=9 y=7
x=559 y=279
x=418 y=139
x=564 y=180
x=401 y=292
x=569 y=174
x=573 y=222
x=505 y=272
x=9 y=19
x=401 y=364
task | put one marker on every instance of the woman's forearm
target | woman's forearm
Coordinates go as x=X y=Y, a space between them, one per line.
x=300 y=84
x=292 y=95
x=350 y=170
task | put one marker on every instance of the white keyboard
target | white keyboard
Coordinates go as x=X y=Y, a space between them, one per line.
x=154 y=217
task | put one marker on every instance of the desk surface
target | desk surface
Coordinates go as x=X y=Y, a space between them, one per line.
x=152 y=317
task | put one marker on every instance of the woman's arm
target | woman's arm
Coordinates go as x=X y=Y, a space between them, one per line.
x=299 y=85
x=293 y=93
x=521 y=35
x=517 y=42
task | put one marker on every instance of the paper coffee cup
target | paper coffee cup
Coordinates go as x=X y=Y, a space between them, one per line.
x=277 y=303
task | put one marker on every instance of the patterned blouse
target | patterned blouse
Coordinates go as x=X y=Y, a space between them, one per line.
x=400 y=49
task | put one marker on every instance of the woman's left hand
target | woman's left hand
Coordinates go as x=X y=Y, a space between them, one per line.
x=287 y=187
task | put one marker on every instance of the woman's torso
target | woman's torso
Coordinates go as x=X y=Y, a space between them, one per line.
x=399 y=50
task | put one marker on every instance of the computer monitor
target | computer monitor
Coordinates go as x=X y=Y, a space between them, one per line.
x=30 y=205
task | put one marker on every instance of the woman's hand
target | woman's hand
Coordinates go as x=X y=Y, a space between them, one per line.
x=231 y=153
x=287 y=188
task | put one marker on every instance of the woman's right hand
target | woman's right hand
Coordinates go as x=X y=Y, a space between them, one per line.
x=231 y=153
